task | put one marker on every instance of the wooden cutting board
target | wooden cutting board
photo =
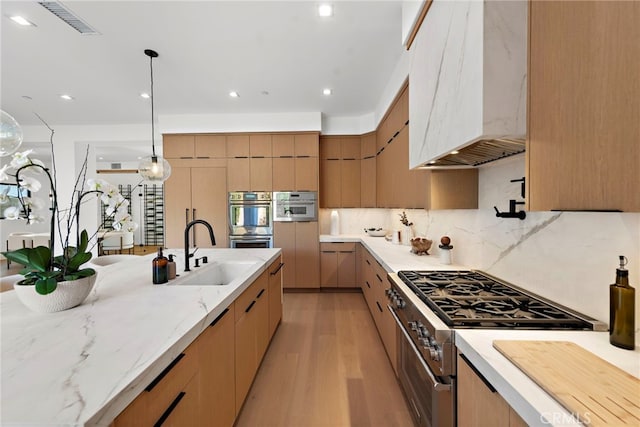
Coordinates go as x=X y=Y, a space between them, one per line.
x=590 y=388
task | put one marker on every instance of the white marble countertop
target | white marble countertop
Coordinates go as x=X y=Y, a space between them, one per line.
x=394 y=257
x=530 y=401
x=83 y=366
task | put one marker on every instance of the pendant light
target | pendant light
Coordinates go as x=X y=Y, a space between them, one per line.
x=153 y=168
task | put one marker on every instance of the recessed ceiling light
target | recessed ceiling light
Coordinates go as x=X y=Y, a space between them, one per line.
x=455 y=152
x=21 y=21
x=325 y=10
x=66 y=97
x=145 y=95
x=100 y=158
x=432 y=162
x=326 y=91
x=234 y=94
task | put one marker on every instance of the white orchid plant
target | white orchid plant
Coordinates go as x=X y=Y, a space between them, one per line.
x=42 y=268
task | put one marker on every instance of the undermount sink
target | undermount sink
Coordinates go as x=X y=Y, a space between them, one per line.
x=217 y=273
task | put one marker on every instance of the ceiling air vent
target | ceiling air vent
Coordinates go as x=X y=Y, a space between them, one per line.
x=62 y=12
x=116 y=165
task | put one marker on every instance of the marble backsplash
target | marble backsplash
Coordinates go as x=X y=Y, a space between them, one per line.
x=568 y=257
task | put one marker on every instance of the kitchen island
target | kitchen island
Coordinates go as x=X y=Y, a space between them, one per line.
x=83 y=366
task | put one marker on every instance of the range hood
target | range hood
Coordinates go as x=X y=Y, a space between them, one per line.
x=468 y=83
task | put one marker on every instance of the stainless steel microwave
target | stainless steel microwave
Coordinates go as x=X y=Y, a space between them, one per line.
x=295 y=206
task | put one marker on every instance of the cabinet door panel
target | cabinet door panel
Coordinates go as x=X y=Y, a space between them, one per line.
x=208 y=194
x=306 y=174
x=283 y=146
x=238 y=145
x=177 y=208
x=350 y=148
x=350 y=183
x=261 y=174
x=330 y=148
x=346 y=260
x=246 y=351
x=306 y=145
x=261 y=308
x=239 y=175
x=330 y=186
x=284 y=174
x=260 y=145
x=368 y=183
x=328 y=268
x=284 y=237
x=275 y=294
x=186 y=410
x=217 y=372
x=307 y=255
x=178 y=146
x=211 y=146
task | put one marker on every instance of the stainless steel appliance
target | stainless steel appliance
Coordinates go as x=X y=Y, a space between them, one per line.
x=295 y=206
x=250 y=220
x=429 y=305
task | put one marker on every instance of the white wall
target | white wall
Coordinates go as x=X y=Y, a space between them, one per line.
x=568 y=257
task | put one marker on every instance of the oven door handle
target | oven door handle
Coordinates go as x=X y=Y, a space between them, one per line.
x=437 y=385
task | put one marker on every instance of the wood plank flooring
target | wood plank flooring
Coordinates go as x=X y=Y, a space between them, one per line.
x=326 y=366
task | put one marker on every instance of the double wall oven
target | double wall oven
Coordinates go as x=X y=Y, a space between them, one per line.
x=429 y=305
x=250 y=220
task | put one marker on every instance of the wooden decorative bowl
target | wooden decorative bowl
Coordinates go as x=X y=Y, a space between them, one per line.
x=421 y=245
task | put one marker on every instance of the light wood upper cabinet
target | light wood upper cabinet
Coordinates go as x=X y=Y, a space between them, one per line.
x=260 y=145
x=210 y=146
x=583 y=128
x=306 y=174
x=306 y=145
x=261 y=173
x=330 y=183
x=239 y=174
x=350 y=183
x=238 y=145
x=283 y=145
x=178 y=146
x=284 y=173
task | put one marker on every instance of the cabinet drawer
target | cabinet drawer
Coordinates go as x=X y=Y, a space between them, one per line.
x=245 y=300
x=158 y=396
x=338 y=247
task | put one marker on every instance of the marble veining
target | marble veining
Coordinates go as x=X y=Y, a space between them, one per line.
x=83 y=366
x=467 y=77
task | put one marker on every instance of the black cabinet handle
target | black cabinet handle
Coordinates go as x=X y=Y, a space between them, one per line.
x=368 y=285
x=378 y=277
x=165 y=372
x=379 y=308
x=367 y=261
x=273 y=273
x=170 y=409
x=217 y=319
x=250 y=306
x=260 y=293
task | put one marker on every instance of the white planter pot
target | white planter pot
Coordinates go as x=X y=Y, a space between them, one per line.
x=67 y=295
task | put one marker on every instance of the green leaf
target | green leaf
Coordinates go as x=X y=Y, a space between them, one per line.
x=39 y=258
x=84 y=241
x=79 y=259
x=21 y=256
x=46 y=286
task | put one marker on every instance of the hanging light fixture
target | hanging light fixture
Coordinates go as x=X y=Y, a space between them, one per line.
x=10 y=134
x=153 y=168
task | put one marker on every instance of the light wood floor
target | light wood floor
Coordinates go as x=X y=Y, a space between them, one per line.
x=326 y=366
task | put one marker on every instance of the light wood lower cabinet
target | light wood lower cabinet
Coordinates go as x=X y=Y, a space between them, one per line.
x=300 y=253
x=374 y=288
x=338 y=265
x=217 y=371
x=275 y=294
x=207 y=383
x=251 y=334
x=479 y=404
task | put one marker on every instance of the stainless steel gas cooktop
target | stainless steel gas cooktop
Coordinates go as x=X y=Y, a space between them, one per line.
x=472 y=299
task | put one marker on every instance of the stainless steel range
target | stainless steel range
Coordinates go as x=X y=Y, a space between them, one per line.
x=429 y=305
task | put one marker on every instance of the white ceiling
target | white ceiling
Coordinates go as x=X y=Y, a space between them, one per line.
x=207 y=48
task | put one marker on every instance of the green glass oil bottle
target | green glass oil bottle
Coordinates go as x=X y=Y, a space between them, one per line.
x=622 y=309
